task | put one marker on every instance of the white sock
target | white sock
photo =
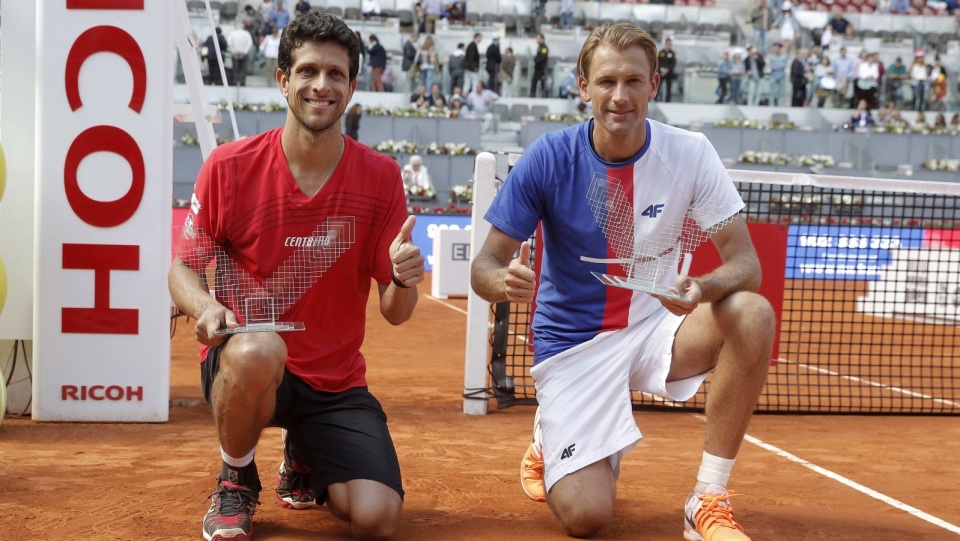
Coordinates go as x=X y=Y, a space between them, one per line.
x=238 y=462
x=713 y=471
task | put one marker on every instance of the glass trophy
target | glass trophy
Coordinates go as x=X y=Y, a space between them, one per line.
x=260 y=304
x=645 y=256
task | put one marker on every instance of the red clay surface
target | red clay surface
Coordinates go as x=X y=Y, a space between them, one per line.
x=150 y=481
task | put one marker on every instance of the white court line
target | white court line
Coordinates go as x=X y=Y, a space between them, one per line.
x=852 y=484
x=445 y=303
x=900 y=390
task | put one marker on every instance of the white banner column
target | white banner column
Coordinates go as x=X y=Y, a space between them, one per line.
x=104 y=92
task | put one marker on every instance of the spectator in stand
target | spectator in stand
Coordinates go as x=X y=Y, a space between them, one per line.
x=457 y=107
x=736 y=79
x=540 y=68
x=389 y=78
x=279 y=17
x=378 y=62
x=868 y=80
x=724 y=67
x=539 y=8
x=419 y=99
x=270 y=50
x=370 y=8
x=843 y=71
x=940 y=122
x=753 y=70
x=419 y=19
x=810 y=64
x=411 y=61
x=899 y=6
x=918 y=80
x=213 y=61
x=455 y=64
x=457 y=11
x=826 y=83
x=471 y=64
x=428 y=62
x=857 y=91
x=895 y=75
x=889 y=114
x=566 y=13
x=435 y=98
x=955 y=121
x=788 y=26
x=240 y=44
x=253 y=22
x=432 y=10
x=861 y=116
x=266 y=8
x=798 y=77
x=507 y=66
x=778 y=63
x=840 y=25
x=920 y=121
x=760 y=21
x=352 y=121
x=302 y=8
x=826 y=38
x=480 y=102
x=416 y=177
x=938 y=94
x=493 y=63
x=667 y=62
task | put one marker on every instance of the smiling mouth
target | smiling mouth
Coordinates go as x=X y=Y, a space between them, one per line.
x=319 y=102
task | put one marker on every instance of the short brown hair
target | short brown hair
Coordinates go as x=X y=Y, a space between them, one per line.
x=619 y=36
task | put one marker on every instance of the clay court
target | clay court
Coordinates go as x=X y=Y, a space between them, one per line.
x=796 y=472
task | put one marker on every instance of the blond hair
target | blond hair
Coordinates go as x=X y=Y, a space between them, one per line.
x=618 y=36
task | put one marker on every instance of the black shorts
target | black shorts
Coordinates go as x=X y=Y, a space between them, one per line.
x=339 y=436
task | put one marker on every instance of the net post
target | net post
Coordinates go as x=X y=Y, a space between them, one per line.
x=475 y=394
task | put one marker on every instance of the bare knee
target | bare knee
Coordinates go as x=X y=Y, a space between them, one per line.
x=376 y=523
x=583 y=500
x=254 y=361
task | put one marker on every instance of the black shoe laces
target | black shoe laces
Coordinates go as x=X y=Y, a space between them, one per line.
x=233 y=500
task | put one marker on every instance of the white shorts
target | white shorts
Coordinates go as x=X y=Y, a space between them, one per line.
x=586 y=413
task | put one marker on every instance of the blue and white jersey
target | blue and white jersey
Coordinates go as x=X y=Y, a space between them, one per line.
x=555 y=181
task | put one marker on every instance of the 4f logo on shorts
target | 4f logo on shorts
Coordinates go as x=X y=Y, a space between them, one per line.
x=568 y=452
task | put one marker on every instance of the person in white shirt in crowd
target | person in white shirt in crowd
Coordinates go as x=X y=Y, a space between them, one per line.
x=416 y=178
x=918 y=78
x=370 y=8
x=566 y=13
x=240 y=43
x=270 y=49
x=788 y=26
x=843 y=71
x=480 y=102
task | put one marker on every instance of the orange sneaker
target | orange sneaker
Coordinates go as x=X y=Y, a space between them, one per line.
x=531 y=467
x=709 y=517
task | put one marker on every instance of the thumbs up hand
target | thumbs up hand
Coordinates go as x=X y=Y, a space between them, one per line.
x=520 y=280
x=407 y=261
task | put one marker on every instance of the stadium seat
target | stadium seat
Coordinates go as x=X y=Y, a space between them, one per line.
x=351 y=13
x=502 y=111
x=335 y=10
x=518 y=111
x=405 y=16
x=229 y=10
x=537 y=111
x=509 y=21
x=196 y=5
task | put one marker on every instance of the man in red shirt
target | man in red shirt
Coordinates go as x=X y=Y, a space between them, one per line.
x=306 y=217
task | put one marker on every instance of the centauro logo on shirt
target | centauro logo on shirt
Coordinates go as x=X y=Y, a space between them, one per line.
x=318 y=240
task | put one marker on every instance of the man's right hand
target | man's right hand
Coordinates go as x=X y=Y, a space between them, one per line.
x=214 y=317
x=520 y=281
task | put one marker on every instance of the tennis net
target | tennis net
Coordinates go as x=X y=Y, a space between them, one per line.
x=864 y=274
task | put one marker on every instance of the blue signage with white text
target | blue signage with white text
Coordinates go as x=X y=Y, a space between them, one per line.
x=427 y=227
x=845 y=252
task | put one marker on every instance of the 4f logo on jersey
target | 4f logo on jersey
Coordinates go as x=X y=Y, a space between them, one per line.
x=568 y=452
x=652 y=211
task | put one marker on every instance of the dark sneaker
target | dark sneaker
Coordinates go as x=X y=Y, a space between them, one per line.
x=294 y=489
x=230 y=516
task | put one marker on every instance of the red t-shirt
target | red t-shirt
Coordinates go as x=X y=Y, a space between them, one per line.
x=312 y=256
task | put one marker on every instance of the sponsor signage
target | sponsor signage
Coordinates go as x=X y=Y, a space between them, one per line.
x=104 y=156
x=844 y=252
x=428 y=227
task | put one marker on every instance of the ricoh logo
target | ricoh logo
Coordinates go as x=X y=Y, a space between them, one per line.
x=318 y=240
x=113 y=393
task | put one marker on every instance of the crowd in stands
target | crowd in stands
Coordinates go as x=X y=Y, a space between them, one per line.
x=777 y=74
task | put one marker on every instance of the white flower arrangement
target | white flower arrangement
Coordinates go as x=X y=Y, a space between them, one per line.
x=454 y=149
x=461 y=192
x=816 y=159
x=763 y=158
x=942 y=165
x=421 y=192
x=396 y=147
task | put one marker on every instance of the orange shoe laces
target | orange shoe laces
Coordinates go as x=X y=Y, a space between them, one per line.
x=716 y=510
